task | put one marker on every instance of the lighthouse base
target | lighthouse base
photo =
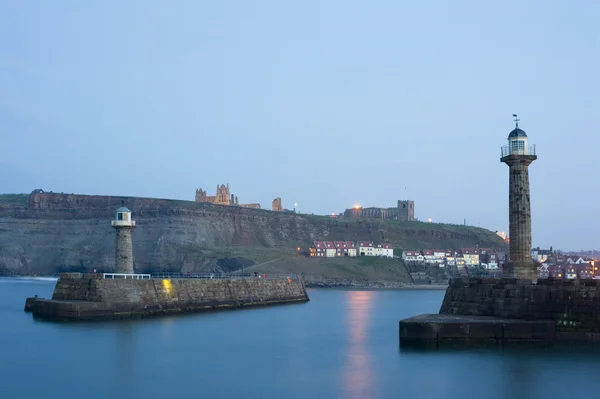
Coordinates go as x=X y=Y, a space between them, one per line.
x=524 y=270
x=476 y=312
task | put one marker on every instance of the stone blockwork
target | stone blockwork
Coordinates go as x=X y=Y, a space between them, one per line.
x=442 y=330
x=89 y=296
x=521 y=265
x=574 y=305
x=124 y=253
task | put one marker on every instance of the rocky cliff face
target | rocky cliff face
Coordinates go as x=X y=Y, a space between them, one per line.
x=46 y=233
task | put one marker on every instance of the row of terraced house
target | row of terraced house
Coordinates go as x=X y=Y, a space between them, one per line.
x=332 y=249
x=465 y=257
x=553 y=264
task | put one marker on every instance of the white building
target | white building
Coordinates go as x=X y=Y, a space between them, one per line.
x=412 y=256
x=366 y=248
x=329 y=249
x=471 y=256
x=351 y=248
x=440 y=255
x=384 y=250
x=429 y=256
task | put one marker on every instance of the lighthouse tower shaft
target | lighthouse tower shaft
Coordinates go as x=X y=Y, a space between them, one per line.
x=521 y=264
x=124 y=251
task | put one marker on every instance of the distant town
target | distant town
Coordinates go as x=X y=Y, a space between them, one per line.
x=464 y=262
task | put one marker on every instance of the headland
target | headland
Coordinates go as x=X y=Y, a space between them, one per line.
x=46 y=234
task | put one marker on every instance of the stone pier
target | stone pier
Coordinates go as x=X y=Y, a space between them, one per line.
x=80 y=296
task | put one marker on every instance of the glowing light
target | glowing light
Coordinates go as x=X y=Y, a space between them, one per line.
x=429 y=220
x=357 y=206
x=358 y=376
x=167 y=286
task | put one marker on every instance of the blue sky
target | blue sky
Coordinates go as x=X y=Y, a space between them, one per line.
x=323 y=103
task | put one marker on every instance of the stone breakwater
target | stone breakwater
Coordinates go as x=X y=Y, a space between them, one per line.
x=497 y=312
x=80 y=296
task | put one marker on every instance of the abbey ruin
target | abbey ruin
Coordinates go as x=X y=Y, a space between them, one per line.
x=224 y=197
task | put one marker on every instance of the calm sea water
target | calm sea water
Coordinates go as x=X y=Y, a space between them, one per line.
x=342 y=344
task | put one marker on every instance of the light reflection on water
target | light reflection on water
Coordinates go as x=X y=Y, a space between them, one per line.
x=358 y=378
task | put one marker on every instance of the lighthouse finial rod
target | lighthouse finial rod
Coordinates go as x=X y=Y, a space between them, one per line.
x=516 y=120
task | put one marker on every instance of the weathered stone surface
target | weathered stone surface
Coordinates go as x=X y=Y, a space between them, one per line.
x=521 y=265
x=124 y=252
x=448 y=330
x=83 y=297
x=29 y=303
x=573 y=304
x=523 y=309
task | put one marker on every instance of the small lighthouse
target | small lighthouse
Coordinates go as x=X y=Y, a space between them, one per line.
x=124 y=227
x=518 y=154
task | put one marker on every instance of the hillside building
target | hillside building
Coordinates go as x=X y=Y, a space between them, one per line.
x=224 y=197
x=404 y=211
x=349 y=248
x=385 y=250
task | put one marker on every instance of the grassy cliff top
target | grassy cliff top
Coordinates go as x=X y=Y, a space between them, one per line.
x=13 y=199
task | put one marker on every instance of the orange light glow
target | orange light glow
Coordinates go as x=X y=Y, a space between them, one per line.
x=358 y=374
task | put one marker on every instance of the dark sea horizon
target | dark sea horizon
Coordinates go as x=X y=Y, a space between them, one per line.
x=341 y=344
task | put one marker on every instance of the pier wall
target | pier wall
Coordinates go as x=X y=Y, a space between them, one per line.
x=88 y=296
x=574 y=305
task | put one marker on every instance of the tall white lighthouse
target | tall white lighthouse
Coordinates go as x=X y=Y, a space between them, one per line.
x=124 y=226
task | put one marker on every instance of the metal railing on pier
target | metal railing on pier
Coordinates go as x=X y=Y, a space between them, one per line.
x=507 y=150
x=226 y=276
x=127 y=276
